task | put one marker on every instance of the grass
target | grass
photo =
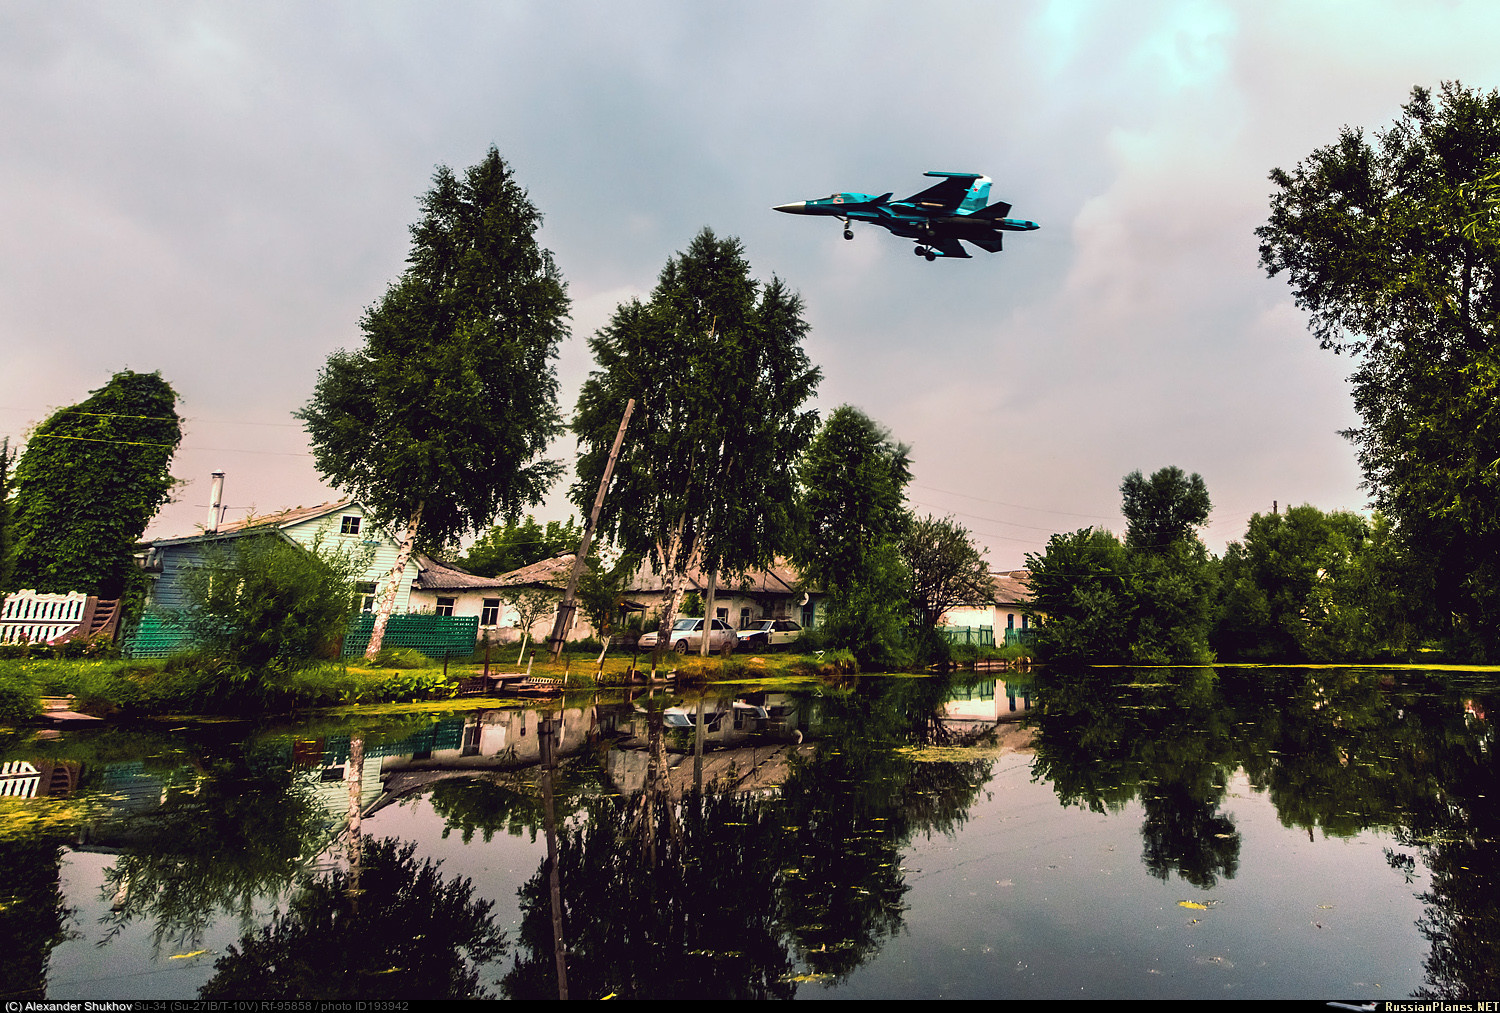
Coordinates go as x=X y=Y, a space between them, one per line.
x=398 y=680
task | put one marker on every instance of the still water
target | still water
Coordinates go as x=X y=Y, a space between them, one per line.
x=1173 y=833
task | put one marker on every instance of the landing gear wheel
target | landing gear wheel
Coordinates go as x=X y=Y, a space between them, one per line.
x=930 y=256
x=848 y=233
x=920 y=251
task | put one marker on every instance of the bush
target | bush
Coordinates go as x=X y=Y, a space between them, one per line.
x=19 y=699
x=266 y=603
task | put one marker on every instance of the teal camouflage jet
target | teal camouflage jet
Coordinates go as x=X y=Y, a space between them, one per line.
x=937 y=218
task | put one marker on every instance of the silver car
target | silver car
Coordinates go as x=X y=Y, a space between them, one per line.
x=687 y=634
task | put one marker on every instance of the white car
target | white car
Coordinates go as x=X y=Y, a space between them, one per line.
x=770 y=633
x=687 y=634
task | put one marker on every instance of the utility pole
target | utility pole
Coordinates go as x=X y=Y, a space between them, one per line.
x=566 y=609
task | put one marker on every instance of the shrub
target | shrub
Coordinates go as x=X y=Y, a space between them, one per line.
x=264 y=602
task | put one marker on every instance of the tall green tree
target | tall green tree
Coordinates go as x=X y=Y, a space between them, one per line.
x=439 y=422
x=1162 y=509
x=1389 y=244
x=714 y=362
x=90 y=479
x=1149 y=601
x=853 y=480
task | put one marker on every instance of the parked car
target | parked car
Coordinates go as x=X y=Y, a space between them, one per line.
x=687 y=634
x=770 y=633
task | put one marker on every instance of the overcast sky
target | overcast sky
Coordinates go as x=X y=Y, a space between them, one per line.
x=217 y=191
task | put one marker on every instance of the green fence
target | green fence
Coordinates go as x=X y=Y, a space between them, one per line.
x=435 y=636
x=979 y=636
x=1020 y=638
x=151 y=636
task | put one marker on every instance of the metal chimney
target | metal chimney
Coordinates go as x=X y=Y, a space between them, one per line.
x=215 y=497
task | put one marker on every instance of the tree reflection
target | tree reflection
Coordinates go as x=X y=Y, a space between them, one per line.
x=699 y=922
x=743 y=896
x=33 y=915
x=237 y=831
x=1110 y=735
x=408 y=933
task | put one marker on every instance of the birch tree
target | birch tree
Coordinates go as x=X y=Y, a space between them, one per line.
x=438 y=424
x=714 y=360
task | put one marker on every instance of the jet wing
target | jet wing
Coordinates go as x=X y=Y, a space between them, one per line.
x=949 y=247
x=944 y=196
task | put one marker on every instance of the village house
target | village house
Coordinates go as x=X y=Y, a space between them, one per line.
x=1008 y=613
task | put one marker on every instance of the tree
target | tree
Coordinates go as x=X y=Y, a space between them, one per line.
x=7 y=522
x=1391 y=247
x=1163 y=509
x=502 y=549
x=1305 y=585
x=714 y=361
x=266 y=602
x=1148 y=601
x=90 y=479
x=946 y=568
x=1080 y=586
x=853 y=480
x=438 y=424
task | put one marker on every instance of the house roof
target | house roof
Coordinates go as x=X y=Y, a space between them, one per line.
x=779 y=578
x=552 y=572
x=434 y=575
x=284 y=519
x=1012 y=587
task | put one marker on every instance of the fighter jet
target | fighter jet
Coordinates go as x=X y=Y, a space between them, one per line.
x=937 y=218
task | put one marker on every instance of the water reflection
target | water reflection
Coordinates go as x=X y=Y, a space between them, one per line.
x=733 y=844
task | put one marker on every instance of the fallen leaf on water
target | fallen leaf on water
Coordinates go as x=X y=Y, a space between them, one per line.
x=184 y=956
x=1192 y=905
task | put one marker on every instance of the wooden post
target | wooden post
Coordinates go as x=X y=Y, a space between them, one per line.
x=566 y=608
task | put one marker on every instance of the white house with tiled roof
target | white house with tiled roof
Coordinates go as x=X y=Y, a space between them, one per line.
x=448 y=590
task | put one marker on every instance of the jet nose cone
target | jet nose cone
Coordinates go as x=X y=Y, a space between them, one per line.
x=798 y=207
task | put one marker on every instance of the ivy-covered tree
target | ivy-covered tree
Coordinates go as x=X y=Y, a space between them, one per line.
x=714 y=362
x=439 y=422
x=1390 y=245
x=89 y=481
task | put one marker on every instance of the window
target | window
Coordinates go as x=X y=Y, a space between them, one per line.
x=349 y=524
x=809 y=615
x=722 y=614
x=445 y=606
x=1010 y=621
x=364 y=594
x=490 y=614
x=745 y=618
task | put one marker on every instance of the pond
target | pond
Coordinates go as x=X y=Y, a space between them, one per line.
x=1110 y=833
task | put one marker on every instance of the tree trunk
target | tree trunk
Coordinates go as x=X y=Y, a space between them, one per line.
x=708 y=613
x=669 y=604
x=388 y=598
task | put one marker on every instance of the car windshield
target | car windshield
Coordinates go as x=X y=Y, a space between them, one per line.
x=685 y=624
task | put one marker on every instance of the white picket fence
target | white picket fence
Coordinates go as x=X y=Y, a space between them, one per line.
x=39 y=618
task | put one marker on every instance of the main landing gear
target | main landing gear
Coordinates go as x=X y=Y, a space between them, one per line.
x=923 y=251
x=848 y=232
